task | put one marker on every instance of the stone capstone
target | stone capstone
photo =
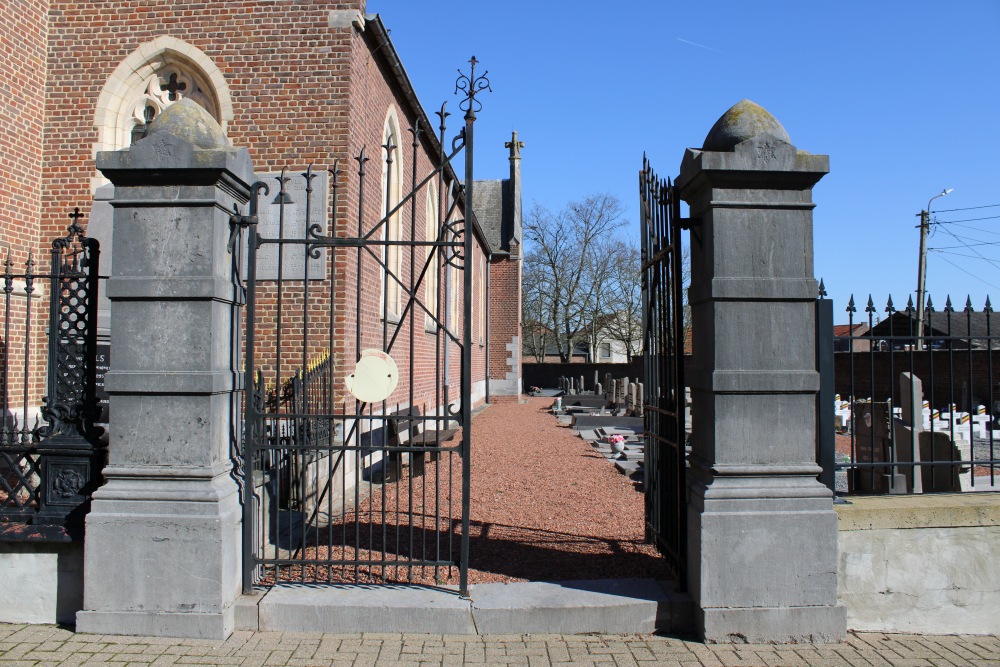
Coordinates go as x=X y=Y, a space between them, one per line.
x=187 y=120
x=745 y=120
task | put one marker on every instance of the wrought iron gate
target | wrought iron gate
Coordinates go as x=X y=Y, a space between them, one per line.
x=663 y=345
x=358 y=364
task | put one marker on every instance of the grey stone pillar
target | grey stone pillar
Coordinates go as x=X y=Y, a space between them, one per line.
x=762 y=532
x=162 y=554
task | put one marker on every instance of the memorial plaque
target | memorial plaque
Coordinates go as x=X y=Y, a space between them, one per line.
x=101 y=367
x=269 y=226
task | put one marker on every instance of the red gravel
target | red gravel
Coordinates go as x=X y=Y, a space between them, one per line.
x=544 y=506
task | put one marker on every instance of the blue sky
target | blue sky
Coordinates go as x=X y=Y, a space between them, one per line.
x=903 y=96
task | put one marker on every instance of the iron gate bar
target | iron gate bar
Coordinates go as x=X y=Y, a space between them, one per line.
x=664 y=411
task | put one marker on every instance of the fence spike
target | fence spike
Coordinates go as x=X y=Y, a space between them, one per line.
x=930 y=305
x=822 y=289
x=989 y=307
x=909 y=306
x=968 y=304
x=850 y=305
x=871 y=305
x=948 y=308
x=889 y=308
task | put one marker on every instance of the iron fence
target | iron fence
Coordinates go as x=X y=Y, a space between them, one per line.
x=914 y=410
x=51 y=449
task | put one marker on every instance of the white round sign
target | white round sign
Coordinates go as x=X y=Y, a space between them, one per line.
x=374 y=378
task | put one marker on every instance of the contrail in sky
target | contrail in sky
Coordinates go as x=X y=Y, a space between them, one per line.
x=700 y=46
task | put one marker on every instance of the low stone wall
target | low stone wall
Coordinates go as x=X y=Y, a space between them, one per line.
x=921 y=563
x=41 y=582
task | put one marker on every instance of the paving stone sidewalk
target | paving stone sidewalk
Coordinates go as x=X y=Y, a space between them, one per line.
x=38 y=646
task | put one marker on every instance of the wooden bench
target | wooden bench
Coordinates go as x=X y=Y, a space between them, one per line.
x=409 y=430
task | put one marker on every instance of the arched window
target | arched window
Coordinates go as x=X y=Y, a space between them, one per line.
x=151 y=78
x=392 y=171
x=431 y=225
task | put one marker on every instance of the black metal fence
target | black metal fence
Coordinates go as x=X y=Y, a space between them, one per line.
x=916 y=409
x=51 y=450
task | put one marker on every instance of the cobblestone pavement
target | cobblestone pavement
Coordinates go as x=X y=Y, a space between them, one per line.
x=39 y=646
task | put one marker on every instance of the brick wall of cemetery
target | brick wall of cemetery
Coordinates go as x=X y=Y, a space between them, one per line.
x=22 y=99
x=876 y=375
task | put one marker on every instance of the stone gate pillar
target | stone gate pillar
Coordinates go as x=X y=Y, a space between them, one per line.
x=762 y=532
x=162 y=553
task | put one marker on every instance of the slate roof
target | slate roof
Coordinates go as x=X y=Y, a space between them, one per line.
x=491 y=203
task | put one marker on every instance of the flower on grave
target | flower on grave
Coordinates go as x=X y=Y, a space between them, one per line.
x=616 y=439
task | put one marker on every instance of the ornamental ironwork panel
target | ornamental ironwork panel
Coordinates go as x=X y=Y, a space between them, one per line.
x=51 y=450
x=354 y=453
x=663 y=358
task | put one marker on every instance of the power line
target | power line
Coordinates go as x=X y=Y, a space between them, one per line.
x=970 y=273
x=967 y=208
x=952 y=222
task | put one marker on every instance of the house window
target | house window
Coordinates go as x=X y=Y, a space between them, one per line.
x=605 y=351
x=392 y=170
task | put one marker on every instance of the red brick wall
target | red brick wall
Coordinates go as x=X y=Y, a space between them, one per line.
x=505 y=318
x=22 y=97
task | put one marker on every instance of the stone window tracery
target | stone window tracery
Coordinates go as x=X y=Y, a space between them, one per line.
x=170 y=84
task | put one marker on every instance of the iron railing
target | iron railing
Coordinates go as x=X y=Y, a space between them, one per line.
x=51 y=449
x=915 y=414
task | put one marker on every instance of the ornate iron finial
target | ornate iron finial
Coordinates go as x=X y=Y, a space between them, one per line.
x=822 y=289
x=415 y=131
x=871 y=305
x=988 y=308
x=948 y=308
x=389 y=147
x=309 y=176
x=909 y=306
x=282 y=197
x=968 y=304
x=930 y=305
x=361 y=159
x=851 y=308
x=889 y=308
x=470 y=86
x=443 y=114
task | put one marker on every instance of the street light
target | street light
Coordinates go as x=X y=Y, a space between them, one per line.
x=925 y=223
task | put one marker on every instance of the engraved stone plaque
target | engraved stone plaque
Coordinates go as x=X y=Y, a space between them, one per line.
x=269 y=226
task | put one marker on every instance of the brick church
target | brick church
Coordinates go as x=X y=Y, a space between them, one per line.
x=296 y=82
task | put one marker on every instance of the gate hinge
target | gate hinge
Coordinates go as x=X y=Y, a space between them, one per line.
x=689 y=223
x=237 y=223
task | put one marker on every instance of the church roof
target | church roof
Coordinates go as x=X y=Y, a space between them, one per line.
x=490 y=202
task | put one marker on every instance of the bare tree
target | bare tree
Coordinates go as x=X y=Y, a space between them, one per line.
x=622 y=297
x=561 y=252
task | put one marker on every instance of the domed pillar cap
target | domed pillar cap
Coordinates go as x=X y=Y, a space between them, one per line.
x=744 y=121
x=187 y=120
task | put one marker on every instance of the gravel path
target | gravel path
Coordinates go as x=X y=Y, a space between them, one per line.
x=547 y=506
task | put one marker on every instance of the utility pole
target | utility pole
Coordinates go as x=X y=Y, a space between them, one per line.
x=925 y=224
